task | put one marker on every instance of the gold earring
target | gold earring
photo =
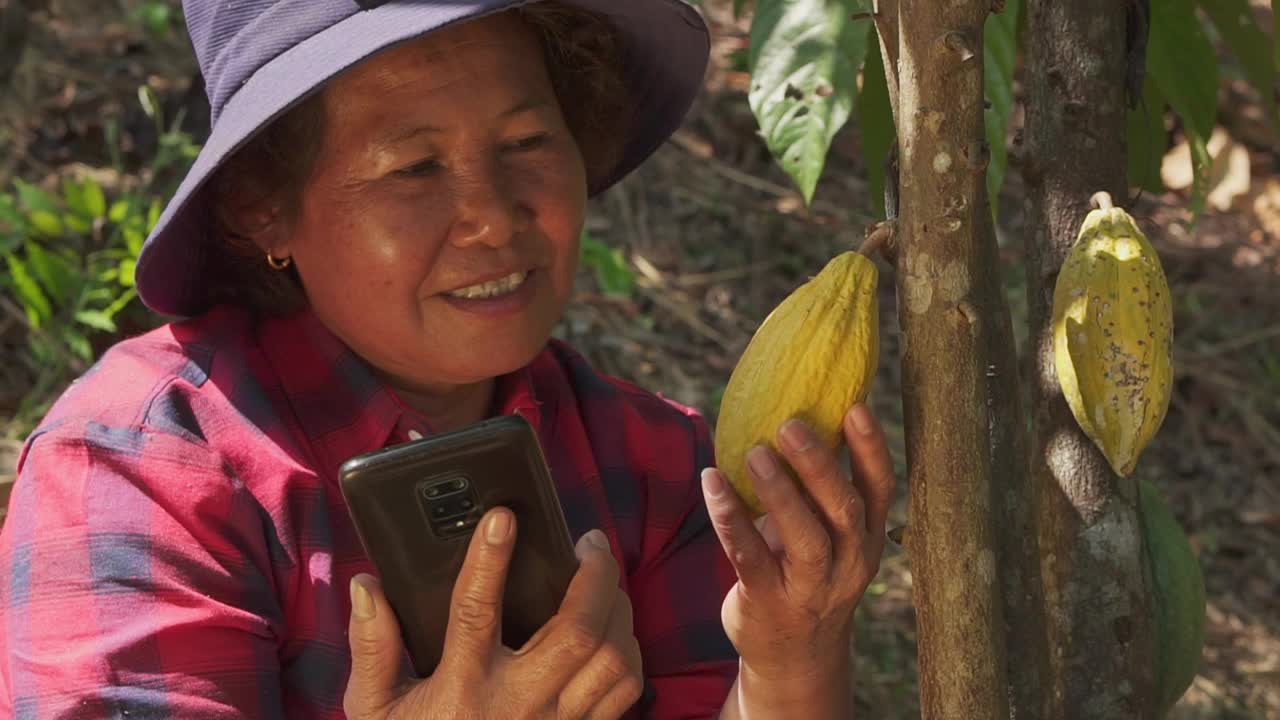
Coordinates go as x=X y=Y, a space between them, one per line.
x=278 y=264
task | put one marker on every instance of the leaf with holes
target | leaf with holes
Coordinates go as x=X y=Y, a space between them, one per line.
x=1000 y=40
x=803 y=63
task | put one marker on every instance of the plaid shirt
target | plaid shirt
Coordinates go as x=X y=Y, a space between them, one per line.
x=178 y=546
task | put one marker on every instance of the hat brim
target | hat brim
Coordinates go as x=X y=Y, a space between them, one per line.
x=666 y=50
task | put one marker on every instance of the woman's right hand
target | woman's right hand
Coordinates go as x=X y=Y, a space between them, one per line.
x=584 y=663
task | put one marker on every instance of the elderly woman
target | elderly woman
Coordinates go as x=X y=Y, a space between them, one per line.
x=374 y=245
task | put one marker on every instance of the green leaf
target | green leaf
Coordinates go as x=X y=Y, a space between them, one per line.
x=1146 y=138
x=46 y=223
x=119 y=211
x=59 y=280
x=77 y=224
x=610 y=267
x=97 y=320
x=127 y=268
x=121 y=302
x=803 y=63
x=28 y=292
x=875 y=121
x=153 y=214
x=133 y=239
x=999 y=49
x=77 y=342
x=34 y=198
x=1182 y=63
x=1236 y=23
x=94 y=199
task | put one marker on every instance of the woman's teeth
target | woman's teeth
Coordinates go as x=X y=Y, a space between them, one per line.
x=493 y=288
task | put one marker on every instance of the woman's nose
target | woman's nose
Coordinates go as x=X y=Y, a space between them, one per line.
x=487 y=212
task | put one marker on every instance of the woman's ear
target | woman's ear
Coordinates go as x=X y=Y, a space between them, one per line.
x=259 y=221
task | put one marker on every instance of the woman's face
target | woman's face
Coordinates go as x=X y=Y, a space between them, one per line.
x=438 y=233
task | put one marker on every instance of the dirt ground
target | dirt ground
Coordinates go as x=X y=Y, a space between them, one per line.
x=715 y=237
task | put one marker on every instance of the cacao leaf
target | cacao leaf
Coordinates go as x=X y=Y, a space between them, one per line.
x=1235 y=21
x=999 y=44
x=1146 y=138
x=875 y=121
x=803 y=63
x=1182 y=62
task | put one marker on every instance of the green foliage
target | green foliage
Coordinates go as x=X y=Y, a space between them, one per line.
x=70 y=249
x=609 y=266
x=798 y=46
x=1235 y=22
x=1182 y=62
x=804 y=62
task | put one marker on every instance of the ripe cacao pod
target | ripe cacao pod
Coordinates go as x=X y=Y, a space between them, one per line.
x=1113 y=336
x=813 y=357
x=1177 y=598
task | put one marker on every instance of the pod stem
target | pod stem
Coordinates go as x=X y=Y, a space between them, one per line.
x=879 y=238
x=1101 y=200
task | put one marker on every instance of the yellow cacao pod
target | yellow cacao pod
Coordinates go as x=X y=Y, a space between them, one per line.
x=1113 y=336
x=813 y=357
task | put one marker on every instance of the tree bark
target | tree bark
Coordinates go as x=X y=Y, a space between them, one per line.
x=975 y=573
x=1096 y=602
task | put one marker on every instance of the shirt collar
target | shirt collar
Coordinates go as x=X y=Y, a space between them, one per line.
x=341 y=405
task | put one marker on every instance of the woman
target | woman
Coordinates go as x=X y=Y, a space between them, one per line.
x=374 y=245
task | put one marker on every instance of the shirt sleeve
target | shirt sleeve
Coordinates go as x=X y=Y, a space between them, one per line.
x=135 y=581
x=689 y=662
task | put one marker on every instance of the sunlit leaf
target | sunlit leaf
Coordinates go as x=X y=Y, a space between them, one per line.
x=1236 y=23
x=999 y=48
x=46 y=223
x=803 y=63
x=28 y=292
x=1184 y=67
x=96 y=320
x=126 y=271
x=875 y=121
x=58 y=278
x=34 y=198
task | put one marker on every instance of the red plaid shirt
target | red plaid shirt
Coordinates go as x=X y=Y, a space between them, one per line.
x=177 y=544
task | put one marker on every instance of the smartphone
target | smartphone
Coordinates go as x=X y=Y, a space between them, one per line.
x=415 y=506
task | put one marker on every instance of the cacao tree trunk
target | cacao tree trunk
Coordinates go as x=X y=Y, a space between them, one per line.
x=970 y=538
x=1096 y=603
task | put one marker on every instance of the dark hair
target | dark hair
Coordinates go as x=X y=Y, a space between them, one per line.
x=584 y=60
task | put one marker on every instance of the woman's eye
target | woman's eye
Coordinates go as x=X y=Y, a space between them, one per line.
x=418 y=169
x=529 y=143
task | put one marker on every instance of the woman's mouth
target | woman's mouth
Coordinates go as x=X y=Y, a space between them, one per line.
x=492 y=288
x=504 y=296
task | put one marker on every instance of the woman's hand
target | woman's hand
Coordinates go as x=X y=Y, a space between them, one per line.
x=584 y=663
x=801 y=574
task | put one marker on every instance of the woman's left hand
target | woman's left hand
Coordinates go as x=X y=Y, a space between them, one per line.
x=803 y=570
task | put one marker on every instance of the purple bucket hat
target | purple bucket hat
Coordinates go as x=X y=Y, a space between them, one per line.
x=261 y=57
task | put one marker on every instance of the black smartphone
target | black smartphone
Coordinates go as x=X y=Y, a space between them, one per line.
x=415 y=506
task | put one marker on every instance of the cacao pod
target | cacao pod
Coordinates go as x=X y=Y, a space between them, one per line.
x=1113 y=336
x=1177 y=598
x=813 y=358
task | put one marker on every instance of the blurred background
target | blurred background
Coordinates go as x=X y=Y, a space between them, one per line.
x=102 y=108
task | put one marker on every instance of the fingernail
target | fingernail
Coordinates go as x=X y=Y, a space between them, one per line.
x=861 y=418
x=760 y=460
x=499 y=528
x=796 y=435
x=712 y=483
x=362 y=605
x=597 y=538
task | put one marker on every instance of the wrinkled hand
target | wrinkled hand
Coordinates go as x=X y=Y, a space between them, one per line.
x=803 y=570
x=584 y=663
